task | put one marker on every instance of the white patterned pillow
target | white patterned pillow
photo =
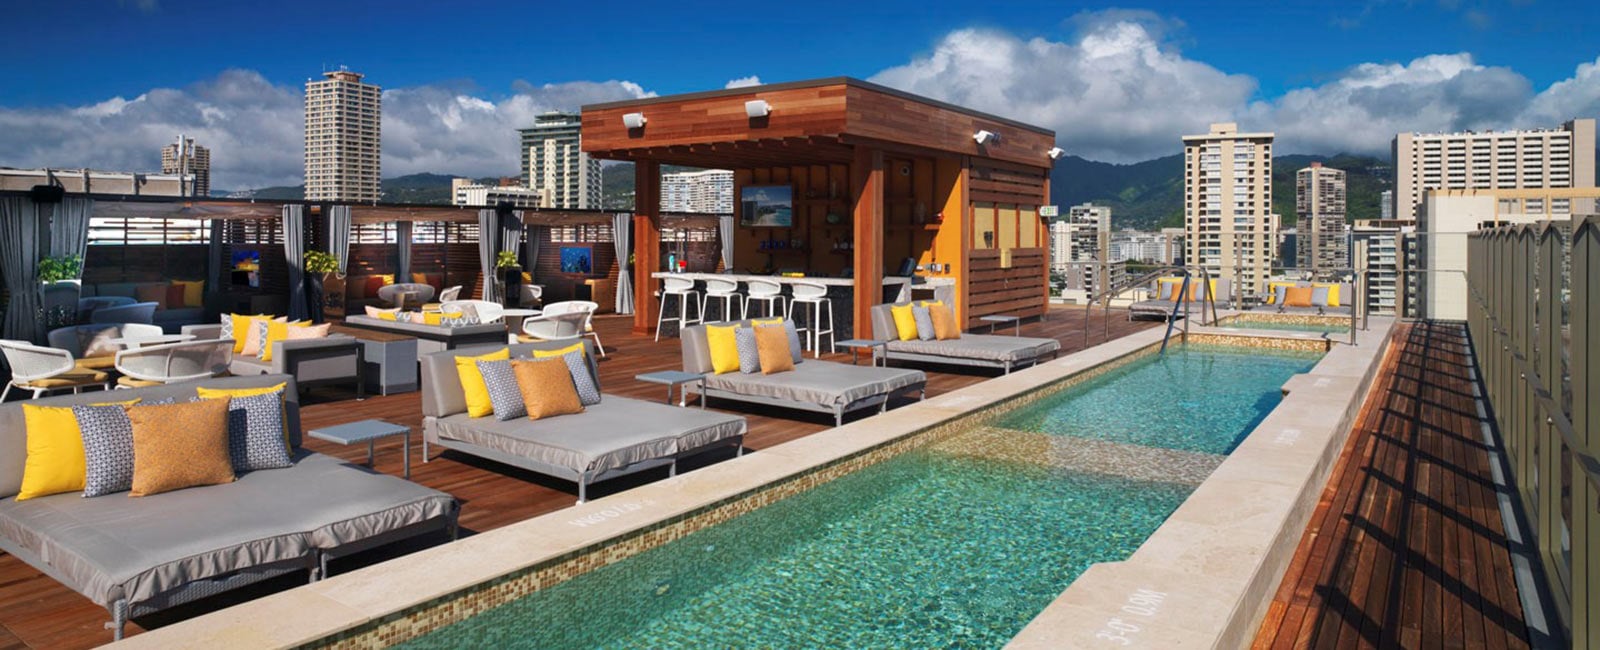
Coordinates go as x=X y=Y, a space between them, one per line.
x=504 y=394
x=227 y=327
x=460 y=321
x=924 y=321
x=588 y=391
x=255 y=432
x=107 y=447
x=749 y=355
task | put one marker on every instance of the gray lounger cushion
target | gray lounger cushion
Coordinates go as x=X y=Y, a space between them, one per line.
x=983 y=347
x=114 y=547
x=823 y=383
x=615 y=433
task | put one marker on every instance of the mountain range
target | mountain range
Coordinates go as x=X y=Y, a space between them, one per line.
x=1144 y=195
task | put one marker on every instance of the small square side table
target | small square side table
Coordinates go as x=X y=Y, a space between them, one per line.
x=677 y=379
x=368 y=431
x=999 y=319
x=879 y=348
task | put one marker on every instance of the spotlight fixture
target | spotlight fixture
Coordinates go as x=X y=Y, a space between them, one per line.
x=983 y=137
x=757 y=108
x=1055 y=153
x=633 y=120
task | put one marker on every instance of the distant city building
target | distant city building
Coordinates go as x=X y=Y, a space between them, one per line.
x=1080 y=248
x=86 y=181
x=1536 y=158
x=1171 y=246
x=1378 y=248
x=554 y=164
x=1386 y=205
x=1287 y=244
x=465 y=191
x=343 y=118
x=186 y=157
x=707 y=191
x=1227 y=198
x=1322 y=242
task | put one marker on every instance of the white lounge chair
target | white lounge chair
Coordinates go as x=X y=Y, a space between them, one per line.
x=44 y=370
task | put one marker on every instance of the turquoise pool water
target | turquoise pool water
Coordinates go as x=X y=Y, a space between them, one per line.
x=957 y=544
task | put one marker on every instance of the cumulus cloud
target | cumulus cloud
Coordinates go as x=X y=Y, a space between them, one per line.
x=743 y=82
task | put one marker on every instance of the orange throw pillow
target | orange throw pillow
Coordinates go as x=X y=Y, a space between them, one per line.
x=156 y=293
x=174 y=296
x=176 y=446
x=1297 y=297
x=944 y=323
x=772 y=346
x=547 y=387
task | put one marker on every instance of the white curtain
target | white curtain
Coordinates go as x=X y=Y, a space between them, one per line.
x=339 y=235
x=19 y=263
x=69 y=228
x=725 y=233
x=622 y=238
x=294 y=252
x=488 y=231
x=402 y=250
x=511 y=232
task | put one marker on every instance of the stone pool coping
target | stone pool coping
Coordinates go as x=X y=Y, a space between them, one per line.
x=409 y=595
x=1205 y=578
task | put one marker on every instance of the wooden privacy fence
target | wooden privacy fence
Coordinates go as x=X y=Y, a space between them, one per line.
x=1534 y=315
x=1020 y=288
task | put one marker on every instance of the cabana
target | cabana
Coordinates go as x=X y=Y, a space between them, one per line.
x=843 y=181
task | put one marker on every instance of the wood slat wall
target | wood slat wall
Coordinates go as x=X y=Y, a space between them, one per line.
x=105 y=263
x=994 y=289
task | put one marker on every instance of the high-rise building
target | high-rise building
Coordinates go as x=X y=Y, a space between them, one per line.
x=1081 y=247
x=1322 y=241
x=343 y=115
x=709 y=191
x=1227 y=205
x=1172 y=246
x=465 y=191
x=1377 y=247
x=1386 y=205
x=1536 y=158
x=186 y=157
x=554 y=164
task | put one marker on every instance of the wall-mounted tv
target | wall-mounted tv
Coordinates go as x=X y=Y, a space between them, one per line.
x=766 y=206
x=577 y=260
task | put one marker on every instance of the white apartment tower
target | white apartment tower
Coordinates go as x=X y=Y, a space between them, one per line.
x=708 y=191
x=1081 y=248
x=554 y=164
x=186 y=157
x=1536 y=158
x=343 y=115
x=465 y=191
x=1227 y=205
x=1322 y=240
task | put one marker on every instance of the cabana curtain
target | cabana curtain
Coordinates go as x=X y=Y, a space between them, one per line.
x=214 y=261
x=19 y=262
x=488 y=231
x=402 y=250
x=511 y=233
x=725 y=234
x=622 y=238
x=294 y=252
x=69 y=228
x=339 y=235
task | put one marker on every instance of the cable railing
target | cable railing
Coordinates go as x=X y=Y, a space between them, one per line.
x=1534 y=315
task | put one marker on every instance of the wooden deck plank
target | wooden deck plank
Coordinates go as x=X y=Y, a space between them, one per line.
x=1405 y=548
x=37 y=612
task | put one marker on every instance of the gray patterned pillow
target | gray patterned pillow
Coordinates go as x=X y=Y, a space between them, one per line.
x=255 y=432
x=749 y=355
x=107 y=447
x=1319 y=296
x=588 y=391
x=504 y=394
x=227 y=327
x=924 y=321
x=464 y=320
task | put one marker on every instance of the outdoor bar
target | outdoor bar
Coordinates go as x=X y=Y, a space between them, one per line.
x=873 y=193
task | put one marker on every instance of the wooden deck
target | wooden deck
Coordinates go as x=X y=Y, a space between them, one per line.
x=37 y=612
x=1405 y=548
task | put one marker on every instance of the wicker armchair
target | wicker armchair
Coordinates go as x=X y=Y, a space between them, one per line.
x=44 y=370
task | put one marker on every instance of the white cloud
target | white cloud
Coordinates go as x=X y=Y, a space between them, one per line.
x=743 y=82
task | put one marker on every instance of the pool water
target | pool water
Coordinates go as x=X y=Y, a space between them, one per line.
x=956 y=544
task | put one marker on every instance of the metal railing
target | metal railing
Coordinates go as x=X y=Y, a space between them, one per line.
x=1541 y=373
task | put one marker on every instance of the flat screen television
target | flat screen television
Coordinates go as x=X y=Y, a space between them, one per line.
x=577 y=260
x=766 y=206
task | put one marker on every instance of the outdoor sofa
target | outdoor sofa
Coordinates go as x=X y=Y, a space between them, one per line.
x=1162 y=306
x=1317 y=308
x=813 y=385
x=171 y=319
x=978 y=350
x=435 y=338
x=135 y=556
x=617 y=436
x=334 y=359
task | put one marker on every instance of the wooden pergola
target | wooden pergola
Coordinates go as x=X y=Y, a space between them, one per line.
x=878 y=168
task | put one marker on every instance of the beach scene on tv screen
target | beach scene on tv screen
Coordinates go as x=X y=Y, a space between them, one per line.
x=767 y=205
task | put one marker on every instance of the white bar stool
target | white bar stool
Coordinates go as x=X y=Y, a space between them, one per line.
x=683 y=289
x=727 y=292
x=766 y=292
x=813 y=298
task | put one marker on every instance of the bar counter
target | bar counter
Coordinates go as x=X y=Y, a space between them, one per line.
x=841 y=291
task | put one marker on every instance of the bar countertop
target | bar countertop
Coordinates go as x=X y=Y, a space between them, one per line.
x=832 y=282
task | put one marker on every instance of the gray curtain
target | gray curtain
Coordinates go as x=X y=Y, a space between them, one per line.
x=402 y=249
x=69 y=228
x=622 y=238
x=725 y=234
x=214 y=261
x=488 y=231
x=19 y=262
x=339 y=235
x=294 y=252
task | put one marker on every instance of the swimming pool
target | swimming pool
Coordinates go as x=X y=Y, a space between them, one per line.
x=957 y=543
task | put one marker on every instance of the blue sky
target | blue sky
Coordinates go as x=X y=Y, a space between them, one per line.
x=1163 y=67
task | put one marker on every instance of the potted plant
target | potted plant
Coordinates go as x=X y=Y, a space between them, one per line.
x=63 y=268
x=59 y=289
x=318 y=264
x=511 y=277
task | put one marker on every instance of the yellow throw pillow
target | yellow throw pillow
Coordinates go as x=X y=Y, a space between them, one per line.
x=547 y=388
x=905 y=323
x=549 y=354
x=277 y=331
x=215 y=393
x=472 y=385
x=724 y=349
x=193 y=292
x=55 y=462
x=944 y=323
x=1272 y=291
x=772 y=346
x=419 y=278
x=387 y=315
x=182 y=445
x=527 y=278
x=1333 y=293
x=388 y=278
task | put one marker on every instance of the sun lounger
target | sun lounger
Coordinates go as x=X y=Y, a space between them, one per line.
x=1162 y=305
x=1346 y=295
x=978 y=350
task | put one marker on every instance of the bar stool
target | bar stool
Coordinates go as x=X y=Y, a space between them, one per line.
x=813 y=298
x=766 y=292
x=683 y=289
x=727 y=292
